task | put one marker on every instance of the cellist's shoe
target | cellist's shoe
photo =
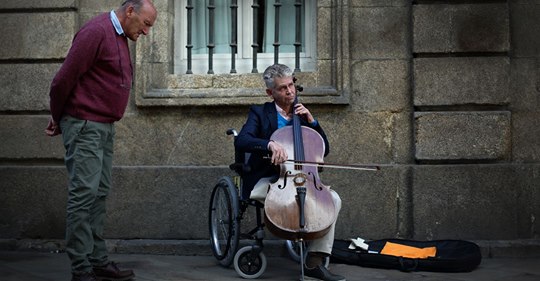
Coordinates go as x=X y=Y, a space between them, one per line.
x=320 y=272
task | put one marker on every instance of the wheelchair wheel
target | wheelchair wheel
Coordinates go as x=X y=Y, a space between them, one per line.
x=248 y=263
x=293 y=248
x=223 y=221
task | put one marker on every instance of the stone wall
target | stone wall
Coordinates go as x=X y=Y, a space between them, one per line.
x=444 y=97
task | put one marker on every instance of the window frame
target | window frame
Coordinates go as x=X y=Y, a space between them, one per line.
x=156 y=83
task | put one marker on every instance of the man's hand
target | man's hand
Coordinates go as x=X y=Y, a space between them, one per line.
x=302 y=111
x=279 y=154
x=52 y=128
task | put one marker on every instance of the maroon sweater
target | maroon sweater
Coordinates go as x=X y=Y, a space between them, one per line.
x=95 y=79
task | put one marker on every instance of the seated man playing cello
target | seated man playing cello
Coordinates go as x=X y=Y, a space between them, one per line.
x=263 y=121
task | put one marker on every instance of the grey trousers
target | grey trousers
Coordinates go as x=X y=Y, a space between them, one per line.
x=88 y=158
x=323 y=244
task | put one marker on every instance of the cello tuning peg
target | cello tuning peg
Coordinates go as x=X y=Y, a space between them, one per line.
x=299 y=88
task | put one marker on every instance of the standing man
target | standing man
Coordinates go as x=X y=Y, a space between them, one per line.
x=88 y=94
x=262 y=122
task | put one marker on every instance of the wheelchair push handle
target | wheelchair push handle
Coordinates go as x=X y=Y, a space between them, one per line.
x=232 y=131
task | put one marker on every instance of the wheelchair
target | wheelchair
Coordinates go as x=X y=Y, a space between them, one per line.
x=226 y=211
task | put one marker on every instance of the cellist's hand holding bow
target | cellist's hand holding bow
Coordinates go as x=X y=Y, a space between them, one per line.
x=279 y=154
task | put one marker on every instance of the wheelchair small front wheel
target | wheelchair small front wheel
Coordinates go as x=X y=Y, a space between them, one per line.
x=223 y=221
x=249 y=263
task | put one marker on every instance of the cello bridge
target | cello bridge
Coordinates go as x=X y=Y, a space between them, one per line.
x=299 y=179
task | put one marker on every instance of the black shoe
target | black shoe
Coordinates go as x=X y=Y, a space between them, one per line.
x=320 y=272
x=111 y=272
x=84 y=276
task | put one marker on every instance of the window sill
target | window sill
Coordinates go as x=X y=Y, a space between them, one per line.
x=232 y=96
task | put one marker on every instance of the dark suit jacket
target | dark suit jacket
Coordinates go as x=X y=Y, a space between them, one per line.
x=254 y=138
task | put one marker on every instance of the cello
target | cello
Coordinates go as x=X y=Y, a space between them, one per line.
x=298 y=205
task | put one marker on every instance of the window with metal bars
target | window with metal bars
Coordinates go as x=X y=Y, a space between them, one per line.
x=243 y=36
x=162 y=77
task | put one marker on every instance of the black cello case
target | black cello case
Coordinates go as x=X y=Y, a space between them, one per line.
x=451 y=255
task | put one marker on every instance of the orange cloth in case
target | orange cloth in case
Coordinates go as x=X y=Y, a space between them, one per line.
x=399 y=250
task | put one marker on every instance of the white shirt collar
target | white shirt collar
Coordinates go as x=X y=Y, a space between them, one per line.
x=283 y=113
x=116 y=23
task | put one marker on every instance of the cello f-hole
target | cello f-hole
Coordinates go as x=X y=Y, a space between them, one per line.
x=315 y=183
x=284 y=180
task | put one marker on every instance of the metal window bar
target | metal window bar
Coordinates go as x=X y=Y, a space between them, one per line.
x=211 y=45
x=234 y=35
x=298 y=36
x=255 y=45
x=189 y=45
x=276 y=44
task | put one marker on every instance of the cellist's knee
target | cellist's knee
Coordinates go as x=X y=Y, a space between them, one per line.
x=337 y=200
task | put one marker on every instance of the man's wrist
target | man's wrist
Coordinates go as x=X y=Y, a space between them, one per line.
x=268 y=145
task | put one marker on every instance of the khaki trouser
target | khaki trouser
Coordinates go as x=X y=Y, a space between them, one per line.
x=323 y=244
x=89 y=152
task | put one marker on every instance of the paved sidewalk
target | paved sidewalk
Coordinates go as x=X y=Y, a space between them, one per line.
x=34 y=266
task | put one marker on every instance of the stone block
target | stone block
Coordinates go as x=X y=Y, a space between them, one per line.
x=323 y=76
x=161 y=202
x=525 y=84
x=98 y=6
x=33 y=201
x=83 y=17
x=379 y=32
x=23 y=137
x=324 y=26
x=357 y=138
x=381 y=85
x=527 y=177
x=374 y=203
x=177 y=139
x=33 y=4
x=526 y=248
x=466 y=202
x=157 y=46
x=525 y=28
x=461 y=81
x=459 y=136
x=18 y=94
x=525 y=140
x=22 y=40
x=378 y=3
x=461 y=28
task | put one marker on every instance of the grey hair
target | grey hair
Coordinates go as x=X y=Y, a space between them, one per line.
x=276 y=70
x=137 y=4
